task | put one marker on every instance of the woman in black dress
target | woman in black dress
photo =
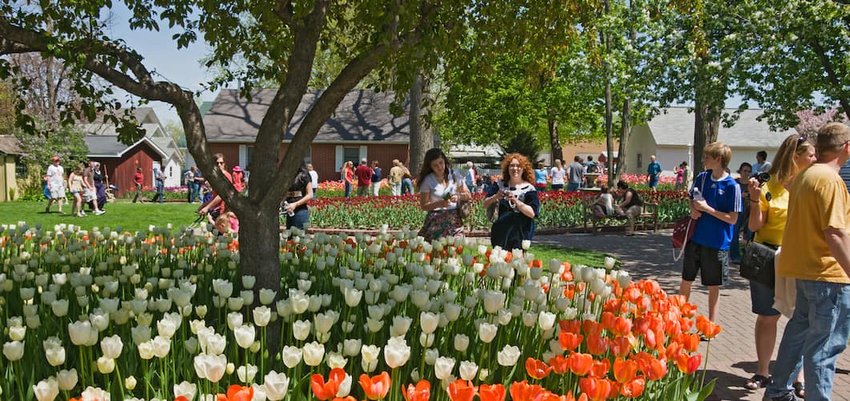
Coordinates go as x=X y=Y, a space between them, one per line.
x=518 y=203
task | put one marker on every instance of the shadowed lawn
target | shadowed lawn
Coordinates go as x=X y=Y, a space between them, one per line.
x=572 y=255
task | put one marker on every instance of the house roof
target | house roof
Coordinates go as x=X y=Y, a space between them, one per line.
x=363 y=115
x=9 y=145
x=675 y=127
x=110 y=146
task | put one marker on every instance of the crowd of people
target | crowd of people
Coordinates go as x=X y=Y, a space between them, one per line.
x=85 y=182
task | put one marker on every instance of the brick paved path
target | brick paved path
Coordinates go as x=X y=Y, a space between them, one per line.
x=732 y=356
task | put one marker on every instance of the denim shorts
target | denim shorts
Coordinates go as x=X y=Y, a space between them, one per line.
x=711 y=264
x=762 y=298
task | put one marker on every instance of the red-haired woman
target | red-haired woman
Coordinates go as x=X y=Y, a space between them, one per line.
x=518 y=203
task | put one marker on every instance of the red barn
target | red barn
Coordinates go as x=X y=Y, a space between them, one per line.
x=361 y=127
x=119 y=161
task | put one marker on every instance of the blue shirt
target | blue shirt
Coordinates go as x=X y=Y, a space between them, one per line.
x=653 y=169
x=540 y=176
x=724 y=196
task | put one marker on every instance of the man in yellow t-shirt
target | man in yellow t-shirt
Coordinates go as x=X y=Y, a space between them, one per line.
x=396 y=174
x=816 y=251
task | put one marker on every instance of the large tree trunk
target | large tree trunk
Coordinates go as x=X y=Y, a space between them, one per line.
x=706 y=128
x=420 y=139
x=554 y=141
x=625 y=131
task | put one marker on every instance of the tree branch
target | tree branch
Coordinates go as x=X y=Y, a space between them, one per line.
x=284 y=10
x=831 y=75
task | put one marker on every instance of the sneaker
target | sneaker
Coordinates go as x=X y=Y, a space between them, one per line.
x=790 y=396
x=99 y=212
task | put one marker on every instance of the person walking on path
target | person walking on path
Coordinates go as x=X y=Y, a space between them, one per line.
x=653 y=170
x=75 y=185
x=396 y=175
x=715 y=204
x=314 y=180
x=139 y=181
x=55 y=184
x=767 y=219
x=557 y=173
x=364 y=177
x=575 y=174
x=816 y=252
x=89 y=189
x=159 y=184
x=189 y=179
x=472 y=177
x=376 y=178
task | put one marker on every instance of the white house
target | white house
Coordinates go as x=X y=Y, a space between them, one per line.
x=172 y=162
x=669 y=136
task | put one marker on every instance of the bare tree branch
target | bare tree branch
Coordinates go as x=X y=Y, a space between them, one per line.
x=284 y=10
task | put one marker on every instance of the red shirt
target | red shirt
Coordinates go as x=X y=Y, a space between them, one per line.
x=364 y=175
x=139 y=178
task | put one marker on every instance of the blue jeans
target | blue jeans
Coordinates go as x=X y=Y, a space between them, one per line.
x=347 y=189
x=735 y=246
x=299 y=219
x=573 y=186
x=817 y=332
x=406 y=186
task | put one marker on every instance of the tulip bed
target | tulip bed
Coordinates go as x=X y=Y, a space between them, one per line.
x=166 y=315
x=557 y=210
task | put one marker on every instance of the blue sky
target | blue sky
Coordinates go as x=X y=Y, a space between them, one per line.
x=162 y=56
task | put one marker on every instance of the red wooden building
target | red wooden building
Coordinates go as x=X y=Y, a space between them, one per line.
x=119 y=161
x=361 y=127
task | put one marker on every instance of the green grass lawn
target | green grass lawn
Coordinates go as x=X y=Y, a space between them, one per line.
x=126 y=215
x=572 y=255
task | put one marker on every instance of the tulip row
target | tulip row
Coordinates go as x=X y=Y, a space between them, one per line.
x=557 y=210
x=165 y=315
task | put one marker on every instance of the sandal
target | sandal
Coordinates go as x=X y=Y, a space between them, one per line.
x=757 y=381
x=799 y=389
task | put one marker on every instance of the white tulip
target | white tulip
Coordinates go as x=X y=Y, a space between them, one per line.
x=313 y=353
x=130 y=383
x=323 y=322
x=246 y=373
x=369 y=357
x=374 y=325
x=487 y=332
x=146 y=350
x=245 y=335
x=276 y=386
x=451 y=311
x=105 y=365
x=461 y=342
x=13 y=351
x=46 y=390
x=60 y=307
x=111 y=346
x=344 y=387
x=248 y=282
x=351 y=347
x=55 y=355
x=431 y=356
x=396 y=352
x=161 y=346
x=443 y=367
x=546 y=320
x=291 y=356
x=99 y=320
x=301 y=329
x=67 y=379
x=493 y=301
x=508 y=356
x=262 y=316
x=167 y=327
x=336 y=360
x=185 y=389
x=299 y=301
x=467 y=370
x=234 y=320
x=267 y=296
x=81 y=332
x=210 y=367
x=213 y=344
x=352 y=296
x=17 y=333
x=426 y=340
x=94 y=394
x=428 y=322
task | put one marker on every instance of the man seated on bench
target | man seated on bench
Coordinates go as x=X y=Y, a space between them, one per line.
x=630 y=205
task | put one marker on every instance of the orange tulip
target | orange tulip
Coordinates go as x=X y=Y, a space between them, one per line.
x=327 y=390
x=600 y=368
x=237 y=393
x=181 y=398
x=570 y=341
x=622 y=326
x=633 y=389
x=596 y=344
x=632 y=294
x=621 y=346
x=688 y=364
x=420 y=392
x=690 y=342
x=570 y=326
x=375 y=387
x=495 y=392
x=560 y=364
x=625 y=370
x=607 y=320
x=537 y=369
x=708 y=328
x=522 y=391
x=461 y=390
x=596 y=389
x=580 y=364
x=346 y=398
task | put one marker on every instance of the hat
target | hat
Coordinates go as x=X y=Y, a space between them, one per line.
x=237 y=169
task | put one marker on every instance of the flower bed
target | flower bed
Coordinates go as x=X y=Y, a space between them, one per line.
x=557 y=210
x=166 y=315
x=179 y=193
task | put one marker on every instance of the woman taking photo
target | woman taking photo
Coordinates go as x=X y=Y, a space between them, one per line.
x=295 y=201
x=518 y=203
x=768 y=215
x=440 y=190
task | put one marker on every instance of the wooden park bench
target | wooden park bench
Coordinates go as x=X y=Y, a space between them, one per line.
x=648 y=218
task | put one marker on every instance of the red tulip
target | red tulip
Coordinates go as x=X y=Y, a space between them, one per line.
x=420 y=392
x=461 y=390
x=327 y=390
x=688 y=364
x=495 y=392
x=375 y=387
